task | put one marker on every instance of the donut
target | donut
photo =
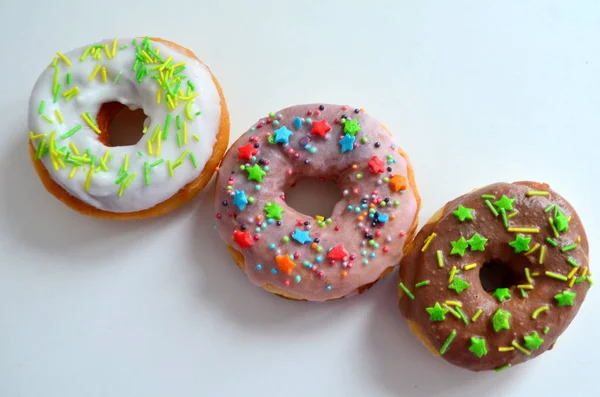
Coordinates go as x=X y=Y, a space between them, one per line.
x=183 y=138
x=319 y=258
x=496 y=275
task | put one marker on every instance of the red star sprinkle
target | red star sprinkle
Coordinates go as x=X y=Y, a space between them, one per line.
x=376 y=165
x=338 y=252
x=242 y=239
x=247 y=151
x=320 y=128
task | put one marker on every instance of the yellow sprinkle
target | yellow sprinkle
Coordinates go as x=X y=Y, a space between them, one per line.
x=506 y=349
x=572 y=272
x=106 y=154
x=88 y=179
x=521 y=348
x=525 y=286
x=171 y=103
x=584 y=272
x=528 y=276
x=188 y=110
x=60 y=162
x=454 y=303
x=187 y=98
x=452 y=273
x=177 y=65
x=531 y=251
x=150 y=148
x=542 y=254
x=553 y=227
x=70 y=92
x=524 y=229
x=477 y=314
x=34 y=136
x=471 y=266
x=51 y=139
x=158 y=97
x=126 y=162
x=535 y=274
x=147 y=57
x=537 y=193
x=107 y=51
x=74 y=148
x=162 y=67
x=114 y=48
x=89 y=122
x=569 y=218
x=73 y=171
x=104 y=74
x=452 y=311
x=578 y=239
x=185 y=132
x=95 y=72
x=54 y=163
x=48 y=119
x=64 y=58
x=121 y=189
x=129 y=179
x=320 y=218
x=196 y=137
x=556 y=276
x=85 y=54
x=513 y=214
x=427 y=240
x=158 y=146
x=157 y=51
x=59 y=116
x=170 y=168
x=439 y=254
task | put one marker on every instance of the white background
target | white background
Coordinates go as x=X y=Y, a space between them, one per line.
x=475 y=91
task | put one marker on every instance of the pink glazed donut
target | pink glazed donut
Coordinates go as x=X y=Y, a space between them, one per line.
x=295 y=255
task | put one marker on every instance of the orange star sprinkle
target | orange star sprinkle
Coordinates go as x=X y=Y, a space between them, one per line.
x=398 y=182
x=285 y=264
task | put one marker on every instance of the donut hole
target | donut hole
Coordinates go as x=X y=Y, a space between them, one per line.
x=313 y=196
x=120 y=125
x=496 y=274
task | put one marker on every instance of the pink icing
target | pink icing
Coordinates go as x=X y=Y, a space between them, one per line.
x=352 y=252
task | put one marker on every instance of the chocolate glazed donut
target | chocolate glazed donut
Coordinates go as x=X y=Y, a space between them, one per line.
x=496 y=275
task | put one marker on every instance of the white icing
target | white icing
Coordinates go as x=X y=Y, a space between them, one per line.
x=102 y=191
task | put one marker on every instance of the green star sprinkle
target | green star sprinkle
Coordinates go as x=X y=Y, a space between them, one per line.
x=477 y=242
x=463 y=213
x=273 y=211
x=500 y=320
x=565 y=298
x=502 y=294
x=478 y=346
x=505 y=203
x=561 y=222
x=533 y=341
x=255 y=173
x=459 y=285
x=351 y=127
x=459 y=246
x=437 y=312
x=520 y=243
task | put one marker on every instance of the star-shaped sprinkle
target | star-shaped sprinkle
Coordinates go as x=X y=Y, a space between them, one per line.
x=437 y=312
x=520 y=243
x=533 y=341
x=320 y=128
x=505 y=203
x=247 y=151
x=242 y=239
x=561 y=222
x=500 y=320
x=240 y=200
x=477 y=242
x=459 y=246
x=351 y=127
x=565 y=298
x=397 y=183
x=502 y=294
x=347 y=143
x=285 y=264
x=458 y=285
x=337 y=253
x=301 y=236
x=376 y=165
x=273 y=211
x=282 y=135
x=255 y=173
x=478 y=346
x=463 y=213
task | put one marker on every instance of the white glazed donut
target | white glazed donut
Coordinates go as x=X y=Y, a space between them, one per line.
x=186 y=126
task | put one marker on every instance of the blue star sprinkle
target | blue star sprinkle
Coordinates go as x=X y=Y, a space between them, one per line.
x=347 y=143
x=282 y=135
x=240 y=200
x=301 y=236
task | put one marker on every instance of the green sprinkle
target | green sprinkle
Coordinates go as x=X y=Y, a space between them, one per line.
x=140 y=154
x=124 y=46
x=549 y=208
x=41 y=107
x=57 y=93
x=500 y=320
x=179 y=141
x=491 y=207
x=488 y=196
x=147 y=173
x=504 y=218
x=121 y=178
x=178 y=122
x=523 y=293
x=193 y=158
x=158 y=162
x=48 y=119
x=569 y=247
x=572 y=262
x=502 y=368
x=406 y=291
x=446 y=344
x=556 y=276
x=285 y=239
x=364 y=139
x=198 y=113
x=180 y=159
x=71 y=131
x=552 y=242
x=546 y=330
x=167 y=125
x=191 y=85
x=118 y=77
x=68 y=79
x=422 y=284
x=40 y=148
x=462 y=315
